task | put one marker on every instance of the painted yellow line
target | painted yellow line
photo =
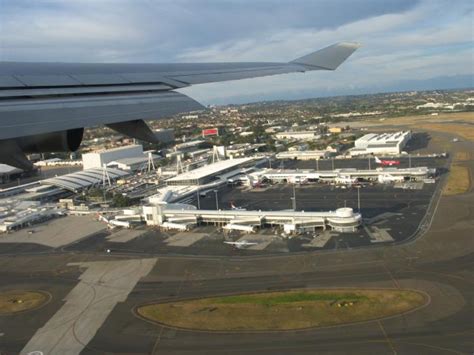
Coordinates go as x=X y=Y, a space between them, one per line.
x=389 y=342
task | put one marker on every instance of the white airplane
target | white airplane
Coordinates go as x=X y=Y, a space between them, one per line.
x=345 y=180
x=241 y=245
x=384 y=178
x=236 y=208
x=297 y=180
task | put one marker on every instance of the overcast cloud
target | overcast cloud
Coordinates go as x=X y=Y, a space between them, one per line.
x=403 y=41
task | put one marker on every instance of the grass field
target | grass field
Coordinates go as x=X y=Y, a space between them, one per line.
x=460 y=123
x=19 y=301
x=467 y=117
x=463 y=156
x=463 y=130
x=458 y=181
x=283 y=310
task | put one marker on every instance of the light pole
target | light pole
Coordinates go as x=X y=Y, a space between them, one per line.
x=198 y=200
x=294 y=198
x=358 y=199
x=217 y=202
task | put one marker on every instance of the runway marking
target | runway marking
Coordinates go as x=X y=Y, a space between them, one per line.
x=291 y=348
x=158 y=338
x=389 y=342
x=102 y=285
x=391 y=276
x=415 y=270
x=178 y=291
x=434 y=347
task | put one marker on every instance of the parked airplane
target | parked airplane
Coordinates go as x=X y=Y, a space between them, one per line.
x=345 y=180
x=387 y=162
x=297 y=180
x=384 y=178
x=235 y=208
x=241 y=245
x=44 y=107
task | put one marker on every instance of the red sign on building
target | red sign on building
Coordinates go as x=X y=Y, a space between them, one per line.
x=210 y=132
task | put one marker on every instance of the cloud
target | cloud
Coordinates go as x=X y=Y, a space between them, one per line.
x=402 y=39
x=142 y=30
x=418 y=44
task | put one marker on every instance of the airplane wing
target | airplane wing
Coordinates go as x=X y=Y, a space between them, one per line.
x=37 y=99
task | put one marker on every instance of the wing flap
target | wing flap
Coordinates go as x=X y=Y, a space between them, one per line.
x=30 y=117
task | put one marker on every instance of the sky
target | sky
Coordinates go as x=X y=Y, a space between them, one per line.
x=406 y=44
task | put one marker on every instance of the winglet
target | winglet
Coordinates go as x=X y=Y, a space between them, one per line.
x=328 y=58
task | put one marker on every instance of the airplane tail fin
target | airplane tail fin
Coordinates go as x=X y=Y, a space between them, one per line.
x=328 y=58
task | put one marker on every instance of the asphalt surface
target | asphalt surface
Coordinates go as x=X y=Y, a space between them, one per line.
x=439 y=262
x=398 y=212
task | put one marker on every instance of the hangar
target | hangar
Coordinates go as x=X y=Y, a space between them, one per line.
x=385 y=143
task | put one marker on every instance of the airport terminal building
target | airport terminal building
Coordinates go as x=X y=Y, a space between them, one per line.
x=182 y=216
x=299 y=176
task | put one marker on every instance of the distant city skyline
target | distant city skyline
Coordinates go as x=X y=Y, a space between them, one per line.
x=406 y=45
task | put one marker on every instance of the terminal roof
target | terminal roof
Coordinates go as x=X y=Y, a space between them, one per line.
x=83 y=179
x=211 y=169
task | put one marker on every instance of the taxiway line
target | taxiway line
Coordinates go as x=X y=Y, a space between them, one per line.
x=389 y=342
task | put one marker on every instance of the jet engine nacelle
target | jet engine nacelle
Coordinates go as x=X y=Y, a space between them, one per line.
x=13 y=151
x=64 y=141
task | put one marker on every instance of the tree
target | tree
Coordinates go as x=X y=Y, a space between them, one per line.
x=98 y=194
x=120 y=200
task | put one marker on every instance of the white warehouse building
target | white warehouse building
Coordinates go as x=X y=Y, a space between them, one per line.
x=384 y=143
x=102 y=157
x=297 y=135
